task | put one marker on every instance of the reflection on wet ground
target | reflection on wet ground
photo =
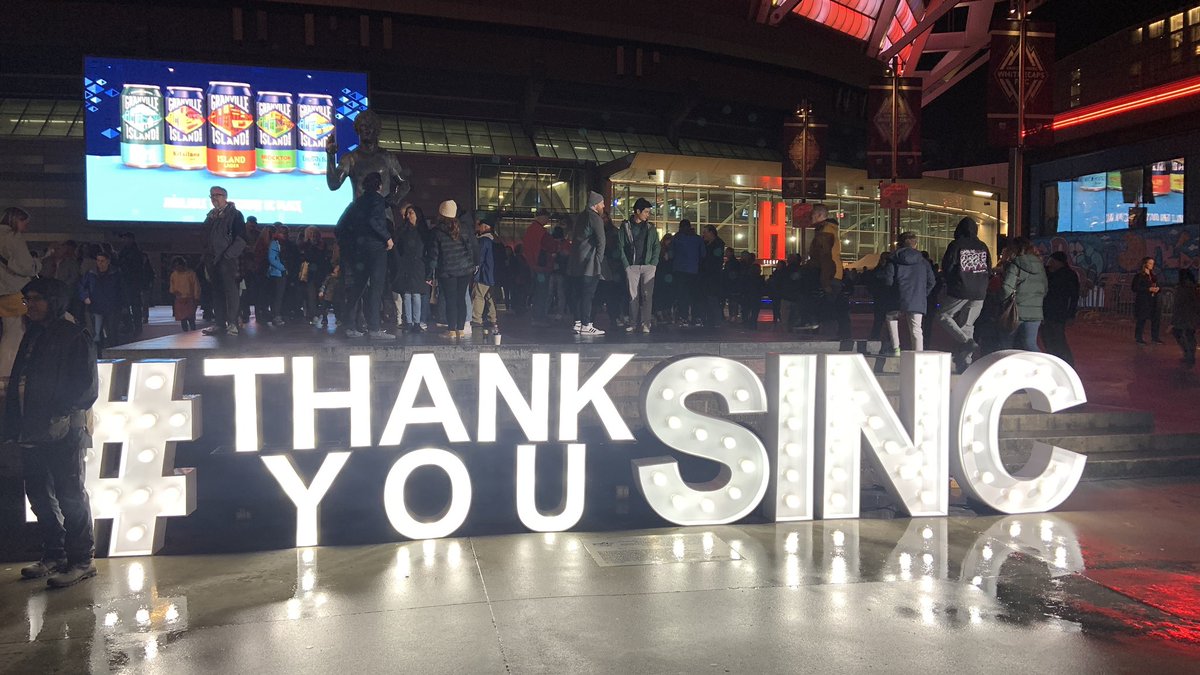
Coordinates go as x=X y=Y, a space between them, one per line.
x=1109 y=583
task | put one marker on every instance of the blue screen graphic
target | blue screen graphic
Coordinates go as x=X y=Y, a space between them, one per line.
x=160 y=133
x=1095 y=203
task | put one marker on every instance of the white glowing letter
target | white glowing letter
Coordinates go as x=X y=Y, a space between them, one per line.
x=455 y=513
x=495 y=381
x=570 y=509
x=306 y=401
x=307 y=499
x=424 y=368
x=147 y=426
x=247 y=397
x=909 y=450
x=573 y=398
x=792 y=388
x=742 y=481
x=1052 y=472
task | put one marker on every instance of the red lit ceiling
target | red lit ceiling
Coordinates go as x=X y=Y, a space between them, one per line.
x=903 y=29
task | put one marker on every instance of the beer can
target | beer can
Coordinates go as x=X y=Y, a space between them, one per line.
x=314 y=118
x=1177 y=175
x=185 y=128
x=1160 y=179
x=276 y=132
x=230 y=129
x=142 y=126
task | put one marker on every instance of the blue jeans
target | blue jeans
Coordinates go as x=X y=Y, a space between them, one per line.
x=1026 y=336
x=412 y=307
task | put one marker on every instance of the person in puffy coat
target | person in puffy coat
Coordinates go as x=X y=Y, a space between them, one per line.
x=911 y=277
x=1025 y=279
x=452 y=260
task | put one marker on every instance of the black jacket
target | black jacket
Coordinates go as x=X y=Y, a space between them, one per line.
x=1062 y=295
x=451 y=258
x=57 y=362
x=364 y=223
x=409 y=258
x=713 y=262
x=967 y=264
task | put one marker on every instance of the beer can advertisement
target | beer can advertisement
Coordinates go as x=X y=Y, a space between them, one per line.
x=1101 y=201
x=161 y=133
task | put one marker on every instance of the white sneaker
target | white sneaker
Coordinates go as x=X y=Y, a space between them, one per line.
x=589 y=329
x=646 y=329
x=466 y=330
x=578 y=326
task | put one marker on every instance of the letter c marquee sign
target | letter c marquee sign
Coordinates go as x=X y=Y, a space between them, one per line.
x=824 y=415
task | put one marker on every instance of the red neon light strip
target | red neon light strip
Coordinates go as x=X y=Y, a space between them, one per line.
x=1119 y=106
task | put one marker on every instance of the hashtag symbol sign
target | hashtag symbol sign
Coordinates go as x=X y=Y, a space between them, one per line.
x=147 y=424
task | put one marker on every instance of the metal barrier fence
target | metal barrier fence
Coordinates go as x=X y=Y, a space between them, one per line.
x=1111 y=300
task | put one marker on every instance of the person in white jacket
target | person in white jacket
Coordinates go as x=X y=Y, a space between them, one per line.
x=17 y=268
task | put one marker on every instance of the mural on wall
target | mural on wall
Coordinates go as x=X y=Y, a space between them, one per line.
x=1121 y=252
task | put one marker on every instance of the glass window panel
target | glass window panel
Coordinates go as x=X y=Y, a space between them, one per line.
x=410 y=123
x=503 y=145
x=455 y=126
x=458 y=144
x=435 y=142
x=523 y=146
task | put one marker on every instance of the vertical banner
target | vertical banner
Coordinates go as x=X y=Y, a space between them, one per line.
x=908 y=128
x=1004 y=83
x=804 y=157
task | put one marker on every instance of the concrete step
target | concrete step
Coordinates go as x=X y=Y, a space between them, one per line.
x=1141 y=465
x=1018 y=449
x=1087 y=420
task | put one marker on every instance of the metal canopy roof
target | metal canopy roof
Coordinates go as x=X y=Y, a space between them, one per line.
x=903 y=29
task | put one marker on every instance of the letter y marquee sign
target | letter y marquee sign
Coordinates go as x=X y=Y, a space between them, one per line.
x=823 y=415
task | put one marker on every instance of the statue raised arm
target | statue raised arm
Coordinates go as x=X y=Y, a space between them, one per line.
x=367 y=158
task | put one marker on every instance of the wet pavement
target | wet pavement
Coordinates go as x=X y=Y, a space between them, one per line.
x=1109 y=583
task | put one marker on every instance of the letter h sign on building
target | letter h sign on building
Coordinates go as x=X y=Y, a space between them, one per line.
x=824 y=415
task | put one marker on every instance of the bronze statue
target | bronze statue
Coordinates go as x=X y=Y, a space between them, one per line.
x=367 y=158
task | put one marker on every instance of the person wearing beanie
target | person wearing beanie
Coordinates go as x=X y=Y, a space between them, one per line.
x=966 y=269
x=452 y=261
x=587 y=258
x=1059 y=305
x=53 y=386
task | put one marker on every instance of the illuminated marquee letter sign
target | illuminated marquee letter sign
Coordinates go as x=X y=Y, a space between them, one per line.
x=811 y=425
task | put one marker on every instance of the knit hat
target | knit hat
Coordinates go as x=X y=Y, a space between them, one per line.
x=594 y=198
x=448 y=209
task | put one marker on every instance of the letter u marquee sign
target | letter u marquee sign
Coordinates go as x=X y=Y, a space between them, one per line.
x=825 y=415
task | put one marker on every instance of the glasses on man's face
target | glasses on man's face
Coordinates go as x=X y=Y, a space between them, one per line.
x=214 y=195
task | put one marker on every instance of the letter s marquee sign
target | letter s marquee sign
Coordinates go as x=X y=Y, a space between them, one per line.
x=824 y=414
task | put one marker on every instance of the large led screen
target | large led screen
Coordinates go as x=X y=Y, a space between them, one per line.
x=1099 y=201
x=160 y=133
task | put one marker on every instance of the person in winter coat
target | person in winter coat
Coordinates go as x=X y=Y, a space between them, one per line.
x=483 y=305
x=539 y=247
x=224 y=232
x=101 y=294
x=365 y=240
x=1145 y=303
x=315 y=267
x=54 y=384
x=912 y=278
x=612 y=293
x=131 y=265
x=452 y=261
x=277 y=274
x=1025 y=279
x=639 y=245
x=409 y=280
x=664 y=275
x=826 y=254
x=687 y=250
x=17 y=268
x=1062 y=300
x=587 y=258
x=1185 y=315
x=966 y=268
x=750 y=290
x=186 y=289
x=712 y=268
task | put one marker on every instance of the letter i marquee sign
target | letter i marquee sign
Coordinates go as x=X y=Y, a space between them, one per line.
x=824 y=415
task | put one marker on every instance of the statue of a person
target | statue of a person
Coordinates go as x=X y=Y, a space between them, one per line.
x=367 y=158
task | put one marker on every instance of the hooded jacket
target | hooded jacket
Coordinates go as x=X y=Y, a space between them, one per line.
x=56 y=362
x=486 y=274
x=826 y=252
x=912 y=278
x=967 y=263
x=1026 y=277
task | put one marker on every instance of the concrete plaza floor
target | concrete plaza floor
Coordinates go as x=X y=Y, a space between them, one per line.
x=1109 y=583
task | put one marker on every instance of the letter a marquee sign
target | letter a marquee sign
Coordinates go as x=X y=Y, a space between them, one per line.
x=825 y=415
